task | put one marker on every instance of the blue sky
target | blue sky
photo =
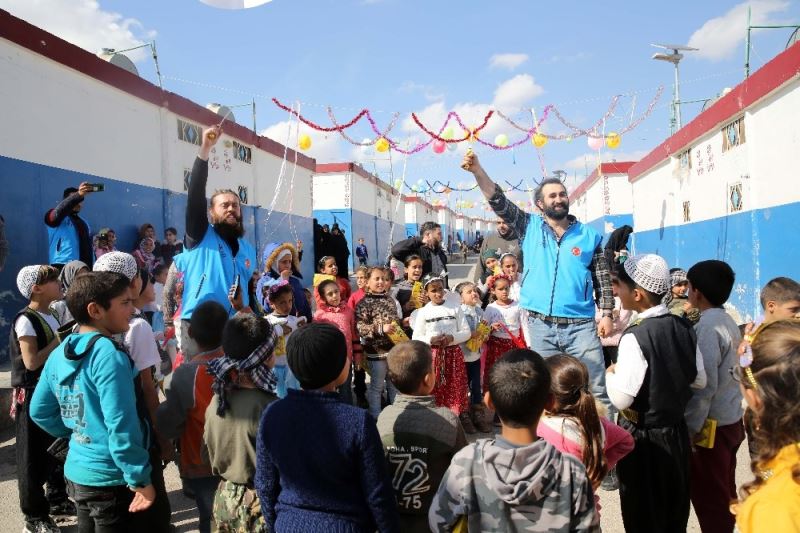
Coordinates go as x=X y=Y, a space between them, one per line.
x=432 y=57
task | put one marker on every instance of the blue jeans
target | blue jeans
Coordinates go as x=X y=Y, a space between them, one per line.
x=204 y=489
x=378 y=380
x=579 y=340
x=474 y=382
x=286 y=380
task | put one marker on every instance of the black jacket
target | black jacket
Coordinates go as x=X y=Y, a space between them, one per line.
x=414 y=245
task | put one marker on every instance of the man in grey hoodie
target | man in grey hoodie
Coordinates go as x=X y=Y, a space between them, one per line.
x=516 y=481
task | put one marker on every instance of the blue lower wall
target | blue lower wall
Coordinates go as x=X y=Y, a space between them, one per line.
x=30 y=189
x=608 y=223
x=378 y=234
x=412 y=230
x=759 y=245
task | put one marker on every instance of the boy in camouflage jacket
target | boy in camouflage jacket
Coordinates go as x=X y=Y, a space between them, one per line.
x=515 y=481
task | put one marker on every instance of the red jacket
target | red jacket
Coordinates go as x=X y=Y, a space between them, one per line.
x=344 y=318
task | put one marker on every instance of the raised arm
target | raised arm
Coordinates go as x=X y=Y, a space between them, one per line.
x=196 y=217
x=55 y=216
x=510 y=213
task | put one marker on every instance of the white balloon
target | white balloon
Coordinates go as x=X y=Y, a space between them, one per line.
x=452 y=146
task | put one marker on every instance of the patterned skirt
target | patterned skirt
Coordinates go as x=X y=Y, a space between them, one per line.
x=495 y=347
x=451 y=379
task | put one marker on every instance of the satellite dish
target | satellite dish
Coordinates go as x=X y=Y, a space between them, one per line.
x=235 y=4
x=223 y=111
x=119 y=60
x=793 y=38
x=676 y=47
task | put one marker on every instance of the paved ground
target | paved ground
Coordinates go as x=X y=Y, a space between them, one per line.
x=184 y=512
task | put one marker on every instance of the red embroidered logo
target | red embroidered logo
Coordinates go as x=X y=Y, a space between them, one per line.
x=576 y=251
x=247 y=264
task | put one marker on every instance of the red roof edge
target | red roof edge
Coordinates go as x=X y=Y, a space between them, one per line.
x=60 y=51
x=355 y=168
x=606 y=169
x=776 y=73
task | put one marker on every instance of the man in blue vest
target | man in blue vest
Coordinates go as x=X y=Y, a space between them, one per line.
x=216 y=254
x=67 y=232
x=565 y=273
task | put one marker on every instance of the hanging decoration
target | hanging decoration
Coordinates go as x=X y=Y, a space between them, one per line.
x=304 y=143
x=447 y=138
x=539 y=140
x=594 y=141
x=612 y=140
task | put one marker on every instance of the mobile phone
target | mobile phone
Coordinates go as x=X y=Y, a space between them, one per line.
x=236 y=287
x=98 y=187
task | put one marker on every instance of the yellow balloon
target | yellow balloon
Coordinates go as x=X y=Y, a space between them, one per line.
x=382 y=145
x=304 y=142
x=613 y=140
x=538 y=140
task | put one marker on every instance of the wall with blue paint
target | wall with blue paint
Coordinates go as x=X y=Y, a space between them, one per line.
x=378 y=233
x=608 y=223
x=30 y=189
x=759 y=245
x=412 y=229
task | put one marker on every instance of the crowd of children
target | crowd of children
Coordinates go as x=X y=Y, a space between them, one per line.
x=266 y=417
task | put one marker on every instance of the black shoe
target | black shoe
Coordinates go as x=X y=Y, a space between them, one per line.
x=65 y=508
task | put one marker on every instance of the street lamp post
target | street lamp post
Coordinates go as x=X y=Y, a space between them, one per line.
x=675 y=58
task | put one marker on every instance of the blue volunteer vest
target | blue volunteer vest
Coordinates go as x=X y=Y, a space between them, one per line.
x=209 y=269
x=63 y=241
x=556 y=280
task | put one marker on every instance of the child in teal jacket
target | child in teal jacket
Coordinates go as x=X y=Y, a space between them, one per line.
x=86 y=393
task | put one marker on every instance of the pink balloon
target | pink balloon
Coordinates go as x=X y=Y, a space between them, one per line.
x=595 y=143
x=439 y=146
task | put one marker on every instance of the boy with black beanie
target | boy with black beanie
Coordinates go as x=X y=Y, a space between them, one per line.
x=718 y=405
x=316 y=452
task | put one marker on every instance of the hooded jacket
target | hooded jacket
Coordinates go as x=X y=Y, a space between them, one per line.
x=87 y=393
x=502 y=487
x=270 y=276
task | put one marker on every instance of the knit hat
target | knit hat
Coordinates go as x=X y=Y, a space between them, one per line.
x=677 y=275
x=316 y=354
x=118 y=262
x=28 y=277
x=489 y=254
x=649 y=271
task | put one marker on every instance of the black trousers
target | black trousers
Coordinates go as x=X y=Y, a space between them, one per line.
x=158 y=516
x=35 y=467
x=654 y=479
x=360 y=382
x=105 y=509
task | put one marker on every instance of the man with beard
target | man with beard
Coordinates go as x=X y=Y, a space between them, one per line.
x=215 y=252
x=428 y=246
x=67 y=232
x=565 y=274
x=504 y=240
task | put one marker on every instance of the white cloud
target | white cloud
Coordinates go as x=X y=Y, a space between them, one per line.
x=83 y=23
x=324 y=146
x=515 y=93
x=720 y=37
x=507 y=61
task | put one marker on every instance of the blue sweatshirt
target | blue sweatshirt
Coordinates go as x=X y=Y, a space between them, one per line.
x=90 y=398
x=320 y=467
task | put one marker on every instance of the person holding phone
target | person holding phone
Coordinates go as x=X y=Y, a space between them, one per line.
x=67 y=232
